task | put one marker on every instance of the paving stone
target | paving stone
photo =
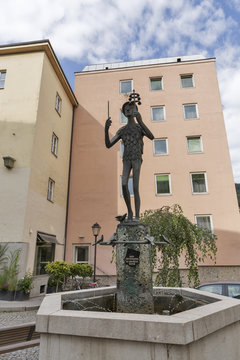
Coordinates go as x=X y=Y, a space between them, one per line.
x=13 y=318
x=26 y=354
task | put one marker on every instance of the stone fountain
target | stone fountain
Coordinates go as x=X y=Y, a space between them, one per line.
x=134 y=320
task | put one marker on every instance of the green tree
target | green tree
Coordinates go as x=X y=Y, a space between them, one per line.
x=187 y=240
x=58 y=271
x=81 y=270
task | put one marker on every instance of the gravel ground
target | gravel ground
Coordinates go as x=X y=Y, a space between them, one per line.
x=16 y=318
x=12 y=318
x=26 y=354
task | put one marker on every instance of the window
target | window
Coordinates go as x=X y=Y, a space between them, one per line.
x=44 y=255
x=156 y=84
x=162 y=182
x=130 y=186
x=199 y=184
x=158 y=113
x=58 y=104
x=123 y=118
x=213 y=288
x=204 y=221
x=160 y=146
x=126 y=86
x=54 y=147
x=190 y=111
x=233 y=290
x=2 y=79
x=194 y=144
x=121 y=149
x=187 y=81
x=51 y=185
x=82 y=254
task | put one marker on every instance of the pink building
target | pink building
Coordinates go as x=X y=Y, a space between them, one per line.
x=188 y=163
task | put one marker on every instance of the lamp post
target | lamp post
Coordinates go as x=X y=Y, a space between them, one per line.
x=96 y=230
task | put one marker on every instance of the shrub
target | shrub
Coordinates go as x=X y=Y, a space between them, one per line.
x=58 y=271
x=26 y=283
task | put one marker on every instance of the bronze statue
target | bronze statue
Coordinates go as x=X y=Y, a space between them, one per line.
x=132 y=138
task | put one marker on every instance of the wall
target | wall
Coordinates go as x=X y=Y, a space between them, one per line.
x=43 y=215
x=95 y=177
x=18 y=103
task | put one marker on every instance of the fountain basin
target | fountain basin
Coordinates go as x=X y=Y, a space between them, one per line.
x=210 y=331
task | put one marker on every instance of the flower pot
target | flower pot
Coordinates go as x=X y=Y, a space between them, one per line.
x=51 y=289
x=7 y=295
x=21 y=295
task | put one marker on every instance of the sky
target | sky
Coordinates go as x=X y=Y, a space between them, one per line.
x=84 y=32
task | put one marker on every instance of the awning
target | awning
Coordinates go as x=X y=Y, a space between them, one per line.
x=47 y=238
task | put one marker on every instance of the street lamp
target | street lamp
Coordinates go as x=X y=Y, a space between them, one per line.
x=96 y=230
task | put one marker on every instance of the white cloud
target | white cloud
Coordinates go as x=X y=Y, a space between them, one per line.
x=92 y=31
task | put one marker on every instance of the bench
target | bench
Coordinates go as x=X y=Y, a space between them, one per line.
x=18 y=337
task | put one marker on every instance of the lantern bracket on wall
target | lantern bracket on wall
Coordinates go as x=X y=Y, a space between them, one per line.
x=8 y=162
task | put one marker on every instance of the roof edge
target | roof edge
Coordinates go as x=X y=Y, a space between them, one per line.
x=37 y=46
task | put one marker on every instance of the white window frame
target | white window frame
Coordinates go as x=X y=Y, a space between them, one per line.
x=154 y=140
x=192 y=118
x=170 y=186
x=187 y=75
x=127 y=80
x=204 y=215
x=201 y=144
x=156 y=78
x=122 y=118
x=75 y=247
x=58 y=104
x=3 y=74
x=51 y=187
x=205 y=179
x=54 y=145
x=164 y=113
x=130 y=179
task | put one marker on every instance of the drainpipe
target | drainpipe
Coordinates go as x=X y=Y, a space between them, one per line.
x=68 y=190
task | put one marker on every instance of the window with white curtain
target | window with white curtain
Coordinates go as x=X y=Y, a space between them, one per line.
x=2 y=78
x=204 y=221
x=199 y=183
x=156 y=84
x=126 y=86
x=160 y=146
x=58 y=104
x=123 y=118
x=187 y=81
x=51 y=185
x=190 y=111
x=54 y=147
x=158 y=113
x=194 y=144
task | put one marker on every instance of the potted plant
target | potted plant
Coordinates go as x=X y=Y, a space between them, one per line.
x=24 y=287
x=58 y=272
x=8 y=277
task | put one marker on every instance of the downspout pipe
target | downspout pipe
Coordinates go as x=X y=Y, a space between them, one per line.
x=68 y=190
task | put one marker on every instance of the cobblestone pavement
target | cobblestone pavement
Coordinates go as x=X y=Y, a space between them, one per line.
x=12 y=318
x=15 y=318
x=26 y=354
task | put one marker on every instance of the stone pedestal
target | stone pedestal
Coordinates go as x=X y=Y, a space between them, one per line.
x=134 y=270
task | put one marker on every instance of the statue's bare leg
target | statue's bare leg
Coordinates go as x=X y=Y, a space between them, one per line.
x=125 y=176
x=136 y=175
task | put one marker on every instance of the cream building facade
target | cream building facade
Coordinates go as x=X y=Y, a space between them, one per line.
x=36 y=103
x=188 y=163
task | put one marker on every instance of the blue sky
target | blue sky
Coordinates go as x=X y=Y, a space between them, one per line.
x=84 y=32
